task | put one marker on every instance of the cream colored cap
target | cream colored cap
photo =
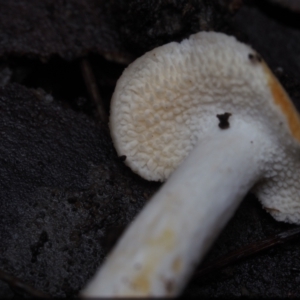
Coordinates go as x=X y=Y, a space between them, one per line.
x=167 y=101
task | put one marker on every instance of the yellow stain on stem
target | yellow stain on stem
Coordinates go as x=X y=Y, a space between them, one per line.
x=160 y=245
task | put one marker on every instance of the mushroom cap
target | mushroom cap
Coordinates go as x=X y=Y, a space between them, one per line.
x=167 y=100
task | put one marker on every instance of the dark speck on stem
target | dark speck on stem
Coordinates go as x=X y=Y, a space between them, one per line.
x=224 y=120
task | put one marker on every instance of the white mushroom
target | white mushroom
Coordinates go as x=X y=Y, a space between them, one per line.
x=211 y=106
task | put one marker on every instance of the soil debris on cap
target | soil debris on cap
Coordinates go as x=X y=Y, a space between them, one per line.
x=224 y=120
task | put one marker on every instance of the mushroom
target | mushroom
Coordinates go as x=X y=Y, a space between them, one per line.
x=210 y=113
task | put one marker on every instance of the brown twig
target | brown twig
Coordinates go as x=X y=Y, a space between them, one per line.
x=17 y=284
x=247 y=251
x=92 y=88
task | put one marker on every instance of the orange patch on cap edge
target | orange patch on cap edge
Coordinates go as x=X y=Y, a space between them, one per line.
x=282 y=99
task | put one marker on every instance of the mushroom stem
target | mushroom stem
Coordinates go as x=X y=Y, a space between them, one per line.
x=161 y=248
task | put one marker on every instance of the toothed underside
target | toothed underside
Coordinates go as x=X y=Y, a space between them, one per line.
x=167 y=101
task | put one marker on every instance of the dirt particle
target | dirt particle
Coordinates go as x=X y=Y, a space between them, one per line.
x=72 y=200
x=122 y=158
x=224 y=120
x=169 y=286
x=36 y=248
x=271 y=210
x=255 y=57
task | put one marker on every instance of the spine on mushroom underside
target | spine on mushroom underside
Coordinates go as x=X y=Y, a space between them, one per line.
x=161 y=248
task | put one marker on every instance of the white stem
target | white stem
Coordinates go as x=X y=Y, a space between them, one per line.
x=160 y=249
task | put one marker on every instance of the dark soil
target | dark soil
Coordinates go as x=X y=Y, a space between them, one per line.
x=67 y=28
x=62 y=188
x=118 y=30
